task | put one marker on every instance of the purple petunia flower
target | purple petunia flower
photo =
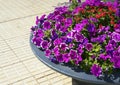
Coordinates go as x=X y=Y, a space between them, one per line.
x=73 y=54
x=101 y=38
x=85 y=21
x=57 y=41
x=54 y=35
x=33 y=28
x=91 y=28
x=107 y=28
x=41 y=20
x=68 y=22
x=89 y=46
x=44 y=44
x=63 y=46
x=56 y=51
x=114 y=44
x=66 y=57
x=116 y=36
x=93 y=19
x=109 y=47
x=71 y=34
x=93 y=2
x=59 y=18
x=47 y=53
x=104 y=57
x=37 y=41
x=62 y=9
x=80 y=49
x=79 y=27
x=40 y=33
x=118 y=12
x=68 y=40
x=96 y=70
x=60 y=58
x=63 y=29
x=94 y=39
x=71 y=45
x=57 y=26
x=85 y=41
x=51 y=16
x=116 y=61
x=79 y=59
x=47 y=25
x=79 y=37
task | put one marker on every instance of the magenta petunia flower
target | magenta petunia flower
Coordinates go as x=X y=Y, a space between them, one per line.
x=104 y=57
x=66 y=57
x=44 y=44
x=41 y=20
x=116 y=36
x=79 y=37
x=56 y=50
x=116 y=62
x=60 y=58
x=57 y=41
x=47 y=53
x=78 y=60
x=46 y=25
x=79 y=27
x=63 y=46
x=96 y=70
x=109 y=47
x=91 y=28
x=73 y=54
x=40 y=33
x=89 y=46
x=68 y=22
x=37 y=41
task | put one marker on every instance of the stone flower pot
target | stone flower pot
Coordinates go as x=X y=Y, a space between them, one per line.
x=78 y=76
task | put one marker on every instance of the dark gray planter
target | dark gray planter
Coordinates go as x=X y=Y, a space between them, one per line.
x=78 y=76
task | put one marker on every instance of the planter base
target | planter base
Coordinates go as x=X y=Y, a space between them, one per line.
x=77 y=82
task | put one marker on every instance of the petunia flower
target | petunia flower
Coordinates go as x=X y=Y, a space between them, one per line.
x=89 y=46
x=44 y=44
x=46 y=25
x=47 y=53
x=73 y=54
x=96 y=70
x=66 y=57
x=79 y=27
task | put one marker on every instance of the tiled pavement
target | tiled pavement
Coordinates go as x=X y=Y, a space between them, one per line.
x=18 y=64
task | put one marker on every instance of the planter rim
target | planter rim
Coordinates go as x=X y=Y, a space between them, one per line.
x=81 y=76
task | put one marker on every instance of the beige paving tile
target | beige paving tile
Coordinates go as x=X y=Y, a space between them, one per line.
x=42 y=80
x=24 y=53
x=3 y=78
x=20 y=8
x=17 y=27
x=67 y=81
x=28 y=81
x=3 y=46
x=1 y=38
x=52 y=76
x=35 y=66
x=8 y=58
x=17 y=42
x=45 y=83
x=16 y=72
